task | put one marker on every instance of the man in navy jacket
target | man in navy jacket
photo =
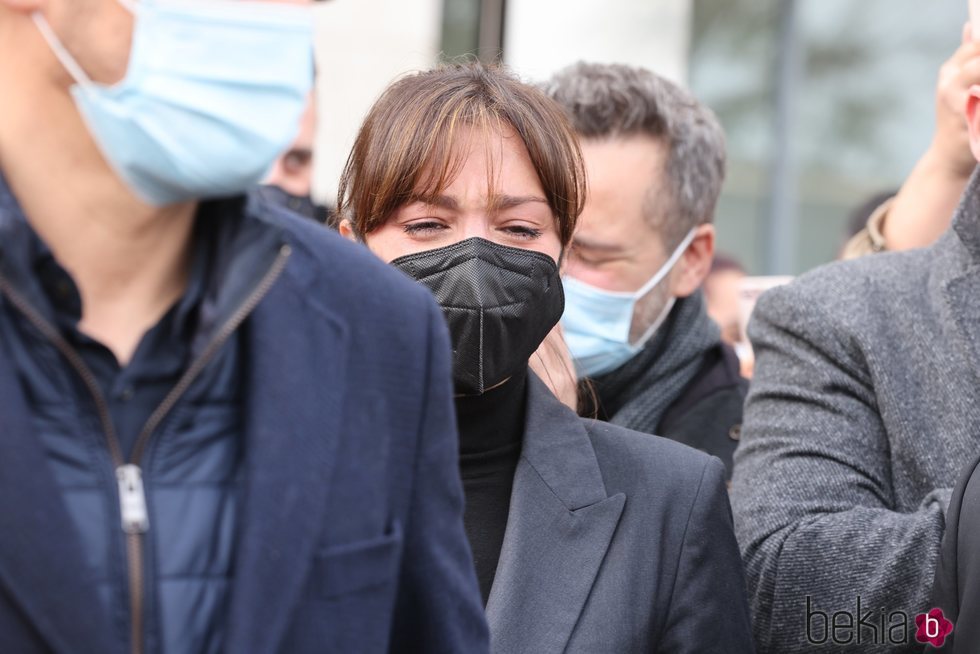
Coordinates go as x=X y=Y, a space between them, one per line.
x=223 y=428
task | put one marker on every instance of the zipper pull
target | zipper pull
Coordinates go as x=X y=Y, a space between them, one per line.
x=132 y=499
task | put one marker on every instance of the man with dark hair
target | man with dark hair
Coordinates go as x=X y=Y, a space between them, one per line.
x=224 y=428
x=635 y=320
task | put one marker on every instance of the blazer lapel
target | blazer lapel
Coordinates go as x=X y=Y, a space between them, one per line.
x=963 y=297
x=41 y=564
x=298 y=358
x=957 y=261
x=559 y=528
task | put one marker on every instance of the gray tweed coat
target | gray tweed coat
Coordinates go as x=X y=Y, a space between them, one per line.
x=864 y=407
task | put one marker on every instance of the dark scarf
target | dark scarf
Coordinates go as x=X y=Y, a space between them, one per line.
x=637 y=394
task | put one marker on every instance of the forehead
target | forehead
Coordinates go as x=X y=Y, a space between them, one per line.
x=625 y=176
x=480 y=160
x=631 y=162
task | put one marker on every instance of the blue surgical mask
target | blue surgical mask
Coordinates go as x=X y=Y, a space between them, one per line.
x=213 y=94
x=597 y=322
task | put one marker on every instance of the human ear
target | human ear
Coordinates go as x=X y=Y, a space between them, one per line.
x=695 y=263
x=973 y=119
x=345 y=227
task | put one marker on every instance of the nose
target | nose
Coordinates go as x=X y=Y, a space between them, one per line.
x=477 y=225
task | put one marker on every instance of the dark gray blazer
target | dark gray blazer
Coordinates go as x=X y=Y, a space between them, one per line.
x=864 y=407
x=616 y=542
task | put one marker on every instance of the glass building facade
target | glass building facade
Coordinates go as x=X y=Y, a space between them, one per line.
x=825 y=103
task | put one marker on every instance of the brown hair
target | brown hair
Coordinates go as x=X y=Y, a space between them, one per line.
x=408 y=146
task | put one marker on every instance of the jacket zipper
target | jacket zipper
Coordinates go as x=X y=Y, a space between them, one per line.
x=129 y=476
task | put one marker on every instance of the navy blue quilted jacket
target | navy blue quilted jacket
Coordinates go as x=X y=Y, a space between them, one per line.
x=300 y=496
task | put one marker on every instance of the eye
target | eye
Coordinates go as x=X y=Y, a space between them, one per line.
x=585 y=257
x=295 y=161
x=424 y=227
x=523 y=232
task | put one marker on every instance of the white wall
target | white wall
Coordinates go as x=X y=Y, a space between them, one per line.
x=542 y=36
x=362 y=45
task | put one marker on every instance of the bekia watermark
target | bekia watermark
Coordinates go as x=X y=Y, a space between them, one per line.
x=932 y=628
x=870 y=626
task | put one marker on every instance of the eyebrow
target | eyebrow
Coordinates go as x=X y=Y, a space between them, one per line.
x=441 y=201
x=499 y=203
x=504 y=202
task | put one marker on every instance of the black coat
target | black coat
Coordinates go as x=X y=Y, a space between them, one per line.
x=707 y=415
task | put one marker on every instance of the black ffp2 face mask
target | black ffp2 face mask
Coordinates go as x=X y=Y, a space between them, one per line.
x=500 y=303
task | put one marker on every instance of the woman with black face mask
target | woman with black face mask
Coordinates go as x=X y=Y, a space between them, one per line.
x=586 y=537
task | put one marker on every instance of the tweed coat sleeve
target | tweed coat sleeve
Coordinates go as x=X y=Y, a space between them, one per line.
x=812 y=490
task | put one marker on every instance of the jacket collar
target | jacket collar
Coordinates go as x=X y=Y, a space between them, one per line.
x=248 y=244
x=560 y=524
x=558 y=448
x=18 y=244
x=955 y=260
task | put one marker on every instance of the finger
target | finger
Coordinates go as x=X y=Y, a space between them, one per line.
x=969 y=73
x=966 y=51
x=967 y=33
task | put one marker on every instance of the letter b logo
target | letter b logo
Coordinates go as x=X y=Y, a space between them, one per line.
x=932 y=628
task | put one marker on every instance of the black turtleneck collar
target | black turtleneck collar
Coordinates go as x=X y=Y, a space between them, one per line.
x=493 y=420
x=491 y=430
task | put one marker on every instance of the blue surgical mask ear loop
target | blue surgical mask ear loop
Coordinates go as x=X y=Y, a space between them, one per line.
x=656 y=279
x=675 y=256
